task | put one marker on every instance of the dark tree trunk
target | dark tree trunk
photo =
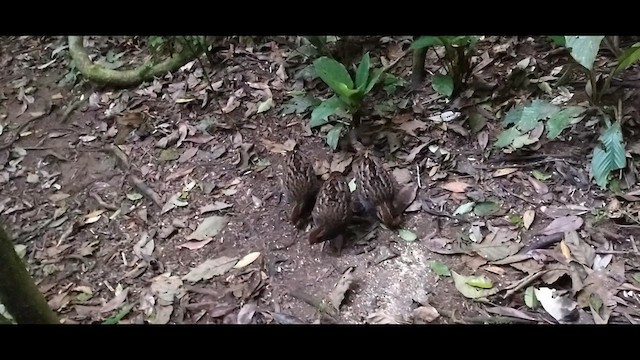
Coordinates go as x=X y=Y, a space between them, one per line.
x=18 y=292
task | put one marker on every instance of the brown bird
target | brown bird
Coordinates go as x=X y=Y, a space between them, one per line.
x=376 y=189
x=332 y=211
x=300 y=185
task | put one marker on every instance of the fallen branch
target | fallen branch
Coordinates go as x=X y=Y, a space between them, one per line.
x=135 y=181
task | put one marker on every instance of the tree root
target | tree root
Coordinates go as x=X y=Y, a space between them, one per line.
x=126 y=78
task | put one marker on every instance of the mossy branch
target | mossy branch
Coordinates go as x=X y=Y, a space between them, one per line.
x=126 y=78
x=18 y=292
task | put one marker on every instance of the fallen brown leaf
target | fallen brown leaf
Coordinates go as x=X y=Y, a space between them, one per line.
x=195 y=245
x=504 y=172
x=456 y=186
x=410 y=126
x=563 y=224
x=340 y=162
x=115 y=303
x=188 y=154
x=338 y=293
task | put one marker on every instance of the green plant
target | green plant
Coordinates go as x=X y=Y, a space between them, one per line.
x=525 y=124
x=457 y=62
x=346 y=103
x=584 y=50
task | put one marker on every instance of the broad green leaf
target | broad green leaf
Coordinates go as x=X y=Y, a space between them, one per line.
x=440 y=268
x=530 y=298
x=562 y=119
x=584 y=49
x=480 y=281
x=407 y=235
x=636 y=277
x=362 y=74
x=377 y=73
x=469 y=291
x=506 y=137
x=118 y=316
x=476 y=122
x=332 y=73
x=486 y=208
x=299 y=104
x=559 y=40
x=534 y=112
x=333 y=136
x=466 y=40
x=134 y=196
x=331 y=106
x=391 y=83
x=522 y=140
x=540 y=175
x=464 y=208
x=442 y=84
x=610 y=156
x=628 y=58
x=425 y=41
x=317 y=41
x=513 y=116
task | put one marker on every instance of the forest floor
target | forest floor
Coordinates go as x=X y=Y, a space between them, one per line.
x=101 y=250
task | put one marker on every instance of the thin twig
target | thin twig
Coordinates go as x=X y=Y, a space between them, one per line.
x=613 y=252
x=103 y=203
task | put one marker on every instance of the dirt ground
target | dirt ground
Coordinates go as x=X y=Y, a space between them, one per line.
x=100 y=249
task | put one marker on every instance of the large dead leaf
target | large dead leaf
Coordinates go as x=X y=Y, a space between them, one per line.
x=247 y=260
x=561 y=308
x=410 y=126
x=498 y=245
x=424 y=314
x=115 y=303
x=167 y=288
x=246 y=313
x=195 y=245
x=445 y=246
x=382 y=317
x=528 y=217
x=209 y=227
x=275 y=147
x=580 y=250
x=414 y=152
x=562 y=225
x=338 y=293
x=144 y=247
x=340 y=162
x=456 y=186
x=216 y=206
x=210 y=268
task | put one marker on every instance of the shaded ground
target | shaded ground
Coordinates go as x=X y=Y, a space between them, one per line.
x=80 y=222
